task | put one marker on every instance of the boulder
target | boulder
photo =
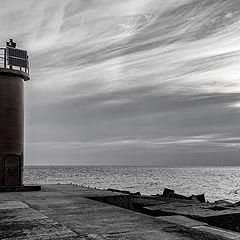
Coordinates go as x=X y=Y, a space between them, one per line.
x=167 y=192
x=200 y=198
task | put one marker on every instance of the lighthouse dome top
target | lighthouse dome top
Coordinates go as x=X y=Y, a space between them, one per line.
x=14 y=60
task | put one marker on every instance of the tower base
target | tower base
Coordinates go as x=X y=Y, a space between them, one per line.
x=23 y=188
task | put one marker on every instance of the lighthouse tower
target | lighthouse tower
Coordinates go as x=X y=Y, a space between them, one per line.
x=14 y=71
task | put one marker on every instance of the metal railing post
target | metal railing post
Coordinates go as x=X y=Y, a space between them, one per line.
x=5 y=58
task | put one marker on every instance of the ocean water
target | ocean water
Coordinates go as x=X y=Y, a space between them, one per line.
x=215 y=182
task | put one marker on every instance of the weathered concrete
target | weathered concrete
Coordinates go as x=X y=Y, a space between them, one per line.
x=224 y=217
x=201 y=226
x=18 y=221
x=183 y=221
x=66 y=212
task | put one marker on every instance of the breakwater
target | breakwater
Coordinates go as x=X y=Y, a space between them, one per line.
x=75 y=212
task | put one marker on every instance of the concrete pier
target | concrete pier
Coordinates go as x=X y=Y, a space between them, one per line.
x=69 y=212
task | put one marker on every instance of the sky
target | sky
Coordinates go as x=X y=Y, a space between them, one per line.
x=129 y=82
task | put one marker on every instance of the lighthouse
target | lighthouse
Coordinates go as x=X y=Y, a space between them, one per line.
x=14 y=72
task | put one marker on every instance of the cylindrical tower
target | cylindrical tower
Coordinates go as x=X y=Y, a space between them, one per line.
x=13 y=72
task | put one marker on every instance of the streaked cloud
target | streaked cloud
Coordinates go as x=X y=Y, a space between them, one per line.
x=212 y=142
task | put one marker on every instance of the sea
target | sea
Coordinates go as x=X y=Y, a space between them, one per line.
x=217 y=183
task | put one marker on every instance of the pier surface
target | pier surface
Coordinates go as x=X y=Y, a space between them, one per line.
x=69 y=212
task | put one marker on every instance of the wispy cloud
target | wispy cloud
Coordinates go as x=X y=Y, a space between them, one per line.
x=208 y=143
